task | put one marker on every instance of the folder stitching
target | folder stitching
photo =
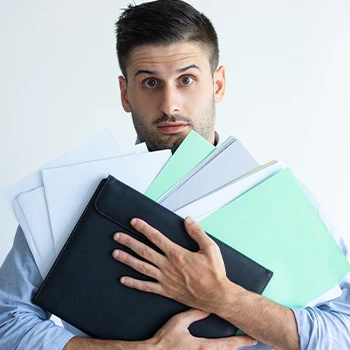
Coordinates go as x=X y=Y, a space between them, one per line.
x=266 y=283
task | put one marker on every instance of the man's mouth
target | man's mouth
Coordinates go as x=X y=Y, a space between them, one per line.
x=171 y=128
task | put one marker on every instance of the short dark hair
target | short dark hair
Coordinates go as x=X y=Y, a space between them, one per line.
x=164 y=22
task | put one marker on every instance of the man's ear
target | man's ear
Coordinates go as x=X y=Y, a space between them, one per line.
x=124 y=93
x=219 y=84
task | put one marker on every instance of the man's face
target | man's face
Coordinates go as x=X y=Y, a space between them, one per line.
x=170 y=91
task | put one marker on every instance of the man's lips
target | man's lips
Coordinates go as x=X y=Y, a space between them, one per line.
x=171 y=128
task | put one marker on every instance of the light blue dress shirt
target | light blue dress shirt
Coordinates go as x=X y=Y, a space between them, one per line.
x=24 y=325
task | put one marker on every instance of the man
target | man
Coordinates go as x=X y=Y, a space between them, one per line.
x=168 y=55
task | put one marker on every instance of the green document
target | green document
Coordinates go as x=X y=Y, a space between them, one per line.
x=276 y=225
x=190 y=153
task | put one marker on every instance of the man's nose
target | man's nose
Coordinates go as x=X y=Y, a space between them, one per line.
x=170 y=103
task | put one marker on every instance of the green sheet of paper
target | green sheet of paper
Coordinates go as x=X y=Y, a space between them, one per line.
x=276 y=225
x=190 y=153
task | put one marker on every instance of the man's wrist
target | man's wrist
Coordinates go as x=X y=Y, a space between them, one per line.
x=228 y=294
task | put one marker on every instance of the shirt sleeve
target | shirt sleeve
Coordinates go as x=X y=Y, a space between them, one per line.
x=24 y=325
x=327 y=326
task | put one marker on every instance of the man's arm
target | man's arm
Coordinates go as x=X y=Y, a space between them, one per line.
x=326 y=326
x=174 y=335
x=24 y=325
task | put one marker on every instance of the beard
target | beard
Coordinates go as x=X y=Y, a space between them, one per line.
x=204 y=125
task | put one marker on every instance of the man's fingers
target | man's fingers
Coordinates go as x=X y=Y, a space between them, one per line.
x=185 y=319
x=156 y=237
x=138 y=265
x=196 y=232
x=138 y=247
x=231 y=343
x=144 y=286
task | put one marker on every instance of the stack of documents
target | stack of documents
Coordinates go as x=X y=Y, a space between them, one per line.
x=259 y=210
x=49 y=202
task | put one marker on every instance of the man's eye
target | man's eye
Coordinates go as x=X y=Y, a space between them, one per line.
x=150 y=83
x=186 y=80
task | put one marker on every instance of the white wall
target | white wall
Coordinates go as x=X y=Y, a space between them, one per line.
x=288 y=67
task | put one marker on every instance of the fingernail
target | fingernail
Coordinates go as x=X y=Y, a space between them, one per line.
x=116 y=253
x=133 y=222
x=255 y=342
x=122 y=280
x=116 y=236
x=189 y=220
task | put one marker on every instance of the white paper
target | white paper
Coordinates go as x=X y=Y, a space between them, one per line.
x=18 y=211
x=33 y=205
x=101 y=145
x=139 y=148
x=69 y=189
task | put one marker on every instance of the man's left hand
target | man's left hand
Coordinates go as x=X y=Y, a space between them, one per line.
x=196 y=279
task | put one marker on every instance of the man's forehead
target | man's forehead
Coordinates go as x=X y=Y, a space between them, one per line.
x=170 y=58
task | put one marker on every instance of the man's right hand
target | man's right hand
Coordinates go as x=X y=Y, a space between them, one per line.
x=173 y=335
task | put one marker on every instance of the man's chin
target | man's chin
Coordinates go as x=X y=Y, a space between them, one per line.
x=171 y=141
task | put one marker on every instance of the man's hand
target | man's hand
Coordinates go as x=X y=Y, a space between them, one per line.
x=173 y=335
x=196 y=279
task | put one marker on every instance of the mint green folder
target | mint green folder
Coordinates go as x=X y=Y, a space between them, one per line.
x=190 y=153
x=276 y=225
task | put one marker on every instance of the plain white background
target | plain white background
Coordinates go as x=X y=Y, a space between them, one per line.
x=288 y=88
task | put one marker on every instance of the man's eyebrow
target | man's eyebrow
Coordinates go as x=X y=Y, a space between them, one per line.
x=144 y=71
x=181 y=70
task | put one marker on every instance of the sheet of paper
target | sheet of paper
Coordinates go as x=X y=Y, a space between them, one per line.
x=191 y=152
x=18 y=211
x=101 y=145
x=228 y=162
x=139 y=148
x=276 y=225
x=34 y=207
x=205 y=206
x=69 y=189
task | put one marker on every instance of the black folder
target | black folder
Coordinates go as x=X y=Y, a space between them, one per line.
x=83 y=287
